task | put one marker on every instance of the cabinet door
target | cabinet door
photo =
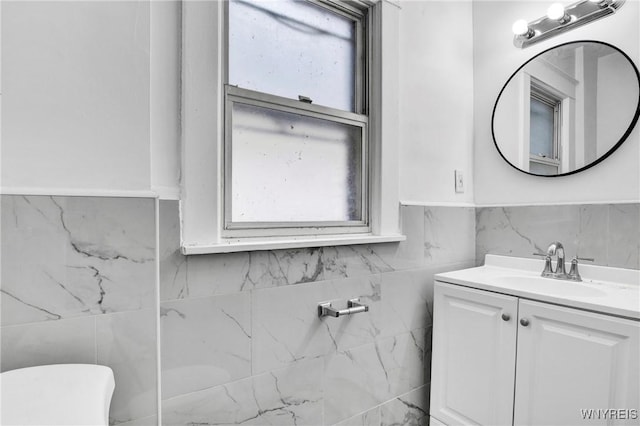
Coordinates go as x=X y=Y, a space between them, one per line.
x=473 y=364
x=571 y=360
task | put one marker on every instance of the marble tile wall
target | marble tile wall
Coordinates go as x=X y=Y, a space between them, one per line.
x=240 y=338
x=242 y=343
x=78 y=284
x=609 y=233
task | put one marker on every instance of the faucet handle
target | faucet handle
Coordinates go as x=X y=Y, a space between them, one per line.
x=548 y=270
x=574 y=275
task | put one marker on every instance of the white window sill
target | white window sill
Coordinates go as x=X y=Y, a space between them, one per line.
x=235 y=245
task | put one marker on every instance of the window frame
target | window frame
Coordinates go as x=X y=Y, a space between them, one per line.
x=539 y=93
x=202 y=119
x=276 y=103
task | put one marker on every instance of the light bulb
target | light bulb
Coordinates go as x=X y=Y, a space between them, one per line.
x=520 y=27
x=556 y=12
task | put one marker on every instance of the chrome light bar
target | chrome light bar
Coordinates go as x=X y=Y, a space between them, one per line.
x=560 y=19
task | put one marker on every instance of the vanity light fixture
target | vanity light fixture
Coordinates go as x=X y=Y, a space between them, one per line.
x=556 y=12
x=521 y=29
x=603 y=3
x=561 y=18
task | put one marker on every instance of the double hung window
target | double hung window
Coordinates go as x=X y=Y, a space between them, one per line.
x=296 y=154
x=285 y=120
x=544 y=141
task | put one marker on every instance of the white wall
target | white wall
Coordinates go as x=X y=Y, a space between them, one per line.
x=92 y=97
x=615 y=101
x=75 y=102
x=91 y=103
x=495 y=58
x=436 y=100
x=165 y=71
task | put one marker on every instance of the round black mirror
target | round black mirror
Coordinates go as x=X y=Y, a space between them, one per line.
x=567 y=109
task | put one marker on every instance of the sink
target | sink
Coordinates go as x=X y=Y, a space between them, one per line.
x=549 y=286
x=604 y=289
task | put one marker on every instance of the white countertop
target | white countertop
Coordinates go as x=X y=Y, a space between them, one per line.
x=614 y=291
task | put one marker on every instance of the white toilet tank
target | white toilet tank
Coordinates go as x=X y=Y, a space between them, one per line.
x=64 y=394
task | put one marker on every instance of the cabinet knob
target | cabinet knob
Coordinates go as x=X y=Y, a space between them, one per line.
x=524 y=322
x=506 y=317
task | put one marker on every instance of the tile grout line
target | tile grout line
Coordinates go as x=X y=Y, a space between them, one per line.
x=95 y=340
x=157 y=314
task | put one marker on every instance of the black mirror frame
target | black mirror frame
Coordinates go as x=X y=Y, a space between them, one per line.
x=605 y=155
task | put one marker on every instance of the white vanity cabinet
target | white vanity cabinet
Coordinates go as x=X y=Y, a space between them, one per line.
x=473 y=356
x=570 y=360
x=501 y=360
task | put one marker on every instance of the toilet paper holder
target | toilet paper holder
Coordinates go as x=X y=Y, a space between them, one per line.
x=353 y=307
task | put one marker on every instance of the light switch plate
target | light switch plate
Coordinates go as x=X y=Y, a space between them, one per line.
x=459 y=181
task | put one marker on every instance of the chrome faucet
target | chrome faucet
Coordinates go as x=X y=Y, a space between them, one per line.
x=560 y=273
x=555 y=249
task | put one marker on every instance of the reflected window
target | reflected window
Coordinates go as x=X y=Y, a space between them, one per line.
x=544 y=137
x=296 y=153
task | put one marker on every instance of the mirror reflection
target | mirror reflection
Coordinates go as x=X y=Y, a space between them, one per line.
x=567 y=108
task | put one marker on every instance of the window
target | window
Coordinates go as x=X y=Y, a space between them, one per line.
x=299 y=47
x=544 y=138
x=296 y=133
x=284 y=124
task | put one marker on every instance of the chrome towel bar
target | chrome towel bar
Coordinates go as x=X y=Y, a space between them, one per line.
x=353 y=307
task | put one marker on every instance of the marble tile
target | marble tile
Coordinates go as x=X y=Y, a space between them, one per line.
x=410 y=253
x=408 y=300
x=356 y=261
x=357 y=381
x=368 y=375
x=359 y=329
x=289 y=396
x=216 y=274
x=209 y=275
x=126 y=342
x=368 y=418
x=223 y=273
x=521 y=231
x=146 y=421
x=586 y=241
x=69 y=341
x=64 y=257
x=449 y=234
x=205 y=342
x=403 y=359
x=287 y=327
x=230 y=404
x=411 y=409
x=623 y=240
x=173 y=265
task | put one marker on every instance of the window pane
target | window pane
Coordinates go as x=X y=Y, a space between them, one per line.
x=542 y=129
x=542 y=169
x=290 y=48
x=289 y=167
